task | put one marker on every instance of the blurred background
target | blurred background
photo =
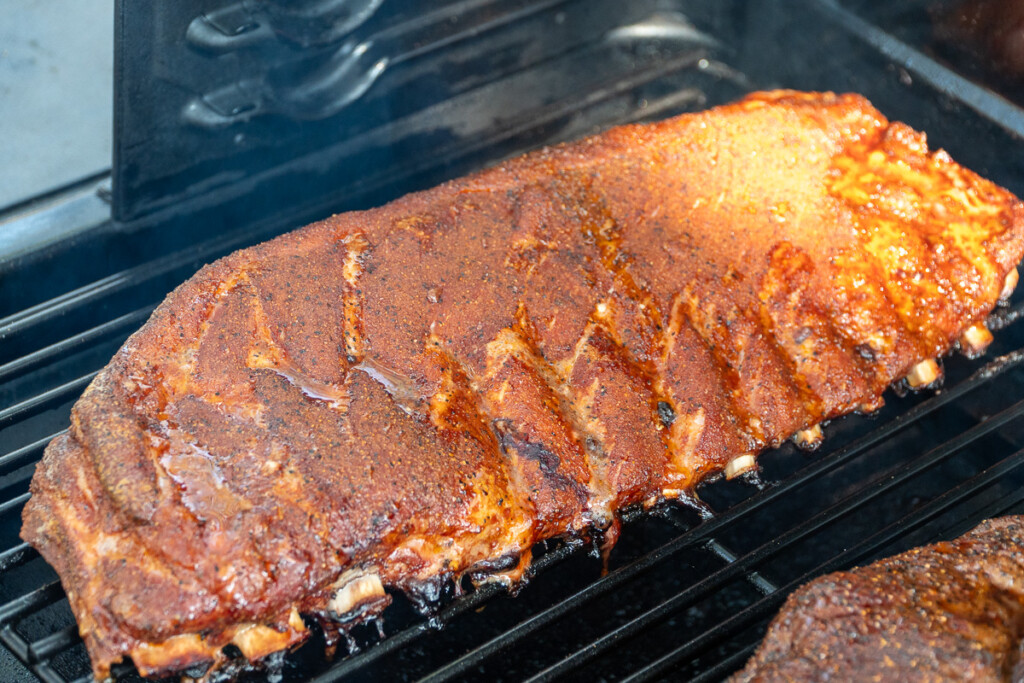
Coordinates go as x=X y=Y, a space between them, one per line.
x=56 y=94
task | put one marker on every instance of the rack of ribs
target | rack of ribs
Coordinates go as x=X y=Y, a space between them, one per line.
x=399 y=397
x=953 y=611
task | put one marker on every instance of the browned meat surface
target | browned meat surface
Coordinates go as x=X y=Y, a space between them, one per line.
x=399 y=396
x=945 y=612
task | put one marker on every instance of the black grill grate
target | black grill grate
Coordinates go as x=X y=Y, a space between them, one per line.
x=688 y=590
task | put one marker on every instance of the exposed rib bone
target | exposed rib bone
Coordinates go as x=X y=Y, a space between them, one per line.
x=923 y=374
x=974 y=340
x=810 y=438
x=1009 y=284
x=739 y=465
x=256 y=641
x=355 y=590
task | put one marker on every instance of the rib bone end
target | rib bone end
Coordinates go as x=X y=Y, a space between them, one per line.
x=924 y=374
x=1009 y=284
x=975 y=340
x=810 y=438
x=256 y=641
x=355 y=592
x=871 y=405
x=739 y=465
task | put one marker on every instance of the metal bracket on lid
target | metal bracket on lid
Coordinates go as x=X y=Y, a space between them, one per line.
x=254 y=23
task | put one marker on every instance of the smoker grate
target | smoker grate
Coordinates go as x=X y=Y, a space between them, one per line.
x=688 y=590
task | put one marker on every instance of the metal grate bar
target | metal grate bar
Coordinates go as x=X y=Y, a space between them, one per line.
x=47 y=399
x=765 y=605
x=37 y=599
x=26 y=454
x=471 y=659
x=756 y=580
x=14 y=504
x=46 y=648
x=17 y=556
x=793 y=535
x=131 y=277
x=16 y=484
x=47 y=674
x=1009 y=502
x=14 y=642
x=998 y=507
x=18 y=322
x=729 y=665
x=49 y=353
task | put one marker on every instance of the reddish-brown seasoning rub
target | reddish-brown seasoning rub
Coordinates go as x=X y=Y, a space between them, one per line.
x=953 y=611
x=400 y=396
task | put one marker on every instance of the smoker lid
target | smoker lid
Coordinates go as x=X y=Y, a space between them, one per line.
x=214 y=98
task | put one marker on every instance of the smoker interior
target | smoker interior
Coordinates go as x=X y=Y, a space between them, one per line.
x=687 y=591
